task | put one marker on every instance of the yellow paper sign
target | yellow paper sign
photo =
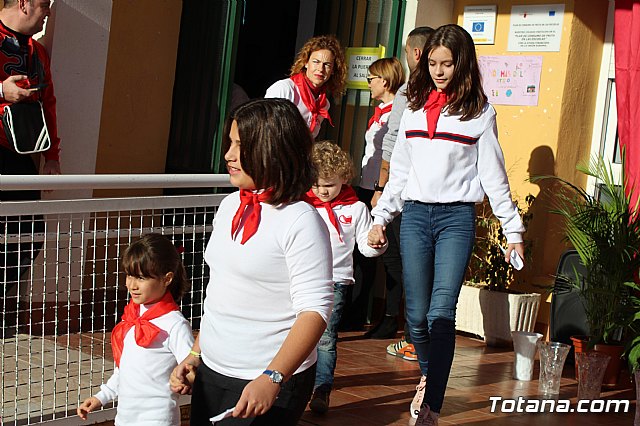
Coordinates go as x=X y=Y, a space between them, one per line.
x=358 y=61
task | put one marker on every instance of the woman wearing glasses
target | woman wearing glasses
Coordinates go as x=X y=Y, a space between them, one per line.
x=385 y=78
x=319 y=68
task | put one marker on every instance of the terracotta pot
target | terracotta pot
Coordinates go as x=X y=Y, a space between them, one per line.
x=580 y=344
x=615 y=364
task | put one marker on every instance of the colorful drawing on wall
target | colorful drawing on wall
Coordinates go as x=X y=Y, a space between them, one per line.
x=511 y=80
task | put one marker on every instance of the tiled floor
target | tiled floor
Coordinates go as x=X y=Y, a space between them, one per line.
x=373 y=388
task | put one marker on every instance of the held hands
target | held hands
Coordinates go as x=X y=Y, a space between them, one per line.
x=12 y=92
x=257 y=397
x=89 y=405
x=377 y=237
x=182 y=377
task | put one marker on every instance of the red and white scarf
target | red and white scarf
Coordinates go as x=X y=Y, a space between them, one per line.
x=433 y=107
x=249 y=199
x=378 y=113
x=315 y=107
x=347 y=196
x=145 y=331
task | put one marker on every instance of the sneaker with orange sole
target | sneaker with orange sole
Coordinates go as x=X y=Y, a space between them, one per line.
x=403 y=349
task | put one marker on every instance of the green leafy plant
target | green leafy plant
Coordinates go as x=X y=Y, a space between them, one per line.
x=605 y=231
x=632 y=349
x=487 y=267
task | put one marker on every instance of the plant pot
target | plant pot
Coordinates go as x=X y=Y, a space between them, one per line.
x=493 y=315
x=580 y=344
x=615 y=364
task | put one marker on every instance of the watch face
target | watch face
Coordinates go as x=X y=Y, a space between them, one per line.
x=276 y=377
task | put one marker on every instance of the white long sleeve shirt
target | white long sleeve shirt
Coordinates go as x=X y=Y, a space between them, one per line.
x=141 y=384
x=462 y=163
x=257 y=290
x=287 y=89
x=354 y=221
x=373 y=150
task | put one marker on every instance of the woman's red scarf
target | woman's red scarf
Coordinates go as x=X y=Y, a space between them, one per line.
x=247 y=199
x=347 y=196
x=379 y=112
x=433 y=107
x=316 y=107
x=145 y=331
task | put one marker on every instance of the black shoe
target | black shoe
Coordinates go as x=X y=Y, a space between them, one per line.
x=319 y=401
x=386 y=329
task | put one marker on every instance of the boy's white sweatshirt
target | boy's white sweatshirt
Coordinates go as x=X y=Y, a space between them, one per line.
x=355 y=222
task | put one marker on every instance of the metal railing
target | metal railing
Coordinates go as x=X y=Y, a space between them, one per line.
x=63 y=288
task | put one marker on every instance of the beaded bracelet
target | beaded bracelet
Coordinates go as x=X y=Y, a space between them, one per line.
x=194 y=353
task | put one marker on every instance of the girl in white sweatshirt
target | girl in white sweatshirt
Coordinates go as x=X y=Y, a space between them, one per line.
x=446 y=158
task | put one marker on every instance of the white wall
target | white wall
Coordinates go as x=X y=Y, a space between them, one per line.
x=78 y=50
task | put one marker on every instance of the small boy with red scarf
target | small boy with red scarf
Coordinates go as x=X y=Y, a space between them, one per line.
x=349 y=221
x=150 y=341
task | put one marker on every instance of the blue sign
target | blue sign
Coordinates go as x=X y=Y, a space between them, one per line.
x=478 y=27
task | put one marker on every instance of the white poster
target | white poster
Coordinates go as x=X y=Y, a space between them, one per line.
x=480 y=22
x=536 y=28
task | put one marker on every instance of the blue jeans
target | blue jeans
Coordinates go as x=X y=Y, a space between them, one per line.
x=327 y=347
x=436 y=241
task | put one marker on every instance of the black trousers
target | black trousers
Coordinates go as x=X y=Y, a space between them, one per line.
x=16 y=258
x=214 y=393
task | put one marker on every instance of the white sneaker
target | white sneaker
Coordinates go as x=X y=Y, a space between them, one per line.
x=416 y=403
x=427 y=417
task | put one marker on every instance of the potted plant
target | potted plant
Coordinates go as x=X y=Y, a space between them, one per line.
x=605 y=231
x=486 y=306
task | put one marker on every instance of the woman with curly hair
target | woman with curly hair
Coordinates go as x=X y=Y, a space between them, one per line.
x=319 y=68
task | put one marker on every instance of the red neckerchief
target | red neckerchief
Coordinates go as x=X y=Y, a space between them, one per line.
x=435 y=102
x=316 y=107
x=347 y=196
x=247 y=199
x=379 y=112
x=145 y=331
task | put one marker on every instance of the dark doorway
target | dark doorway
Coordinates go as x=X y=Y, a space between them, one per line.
x=266 y=44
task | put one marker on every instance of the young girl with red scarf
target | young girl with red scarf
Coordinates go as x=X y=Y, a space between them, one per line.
x=349 y=222
x=319 y=69
x=446 y=158
x=151 y=339
x=269 y=294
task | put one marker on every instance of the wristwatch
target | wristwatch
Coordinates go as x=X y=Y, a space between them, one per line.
x=275 y=376
x=376 y=187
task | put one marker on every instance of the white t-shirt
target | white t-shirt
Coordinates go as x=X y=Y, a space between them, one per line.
x=373 y=150
x=141 y=384
x=256 y=290
x=287 y=89
x=354 y=221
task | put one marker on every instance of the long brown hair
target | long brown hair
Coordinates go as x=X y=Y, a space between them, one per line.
x=154 y=256
x=275 y=147
x=466 y=96
x=336 y=82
